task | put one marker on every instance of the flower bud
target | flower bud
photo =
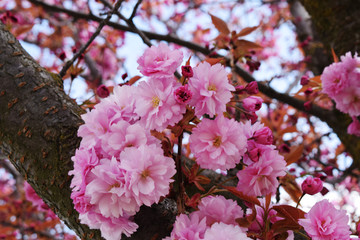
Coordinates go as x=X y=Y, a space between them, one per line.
x=263 y=136
x=252 y=117
x=308 y=91
x=304 y=80
x=182 y=94
x=102 y=91
x=252 y=103
x=312 y=185
x=187 y=71
x=252 y=88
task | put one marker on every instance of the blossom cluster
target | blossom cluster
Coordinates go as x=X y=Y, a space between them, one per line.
x=341 y=82
x=120 y=164
x=215 y=219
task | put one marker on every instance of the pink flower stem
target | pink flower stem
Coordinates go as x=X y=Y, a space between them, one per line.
x=181 y=195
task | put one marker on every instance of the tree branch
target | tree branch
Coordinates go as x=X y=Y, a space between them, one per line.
x=92 y=38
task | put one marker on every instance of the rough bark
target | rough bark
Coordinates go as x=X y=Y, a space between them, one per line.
x=38 y=126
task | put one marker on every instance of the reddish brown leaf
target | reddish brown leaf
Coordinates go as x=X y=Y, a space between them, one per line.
x=242 y=196
x=133 y=80
x=247 y=45
x=289 y=213
x=291 y=187
x=294 y=154
x=247 y=221
x=246 y=31
x=220 y=25
x=214 y=61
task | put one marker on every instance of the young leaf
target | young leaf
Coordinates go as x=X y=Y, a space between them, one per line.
x=242 y=196
x=246 y=31
x=294 y=154
x=220 y=25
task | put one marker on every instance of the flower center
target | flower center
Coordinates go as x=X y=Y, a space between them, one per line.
x=212 y=87
x=155 y=101
x=145 y=173
x=217 y=141
x=115 y=185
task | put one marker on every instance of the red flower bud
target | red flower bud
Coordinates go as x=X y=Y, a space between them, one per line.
x=252 y=88
x=102 y=91
x=183 y=94
x=254 y=154
x=304 y=80
x=187 y=71
x=308 y=91
x=312 y=185
x=252 y=117
x=252 y=103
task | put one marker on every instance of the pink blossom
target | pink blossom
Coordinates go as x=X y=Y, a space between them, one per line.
x=218 y=144
x=157 y=106
x=211 y=89
x=312 y=185
x=120 y=105
x=348 y=101
x=111 y=228
x=149 y=173
x=190 y=227
x=260 y=178
x=225 y=231
x=219 y=209
x=340 y=81
x=84 y=160
x=122 y=135
x=263 y=136
x=354 y=127
x=182 y=94
x=160 y=62
x=81 y=202
x=252 y=103
x=109 y=191
x=97 y=122
x=324 y=222
x=334 y=79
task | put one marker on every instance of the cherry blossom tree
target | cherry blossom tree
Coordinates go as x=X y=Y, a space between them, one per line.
x=197 y=145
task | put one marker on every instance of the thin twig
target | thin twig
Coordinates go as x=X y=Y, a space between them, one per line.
x=324 y=114
x=104 y=22
x=130 y=23
x=135 y=10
